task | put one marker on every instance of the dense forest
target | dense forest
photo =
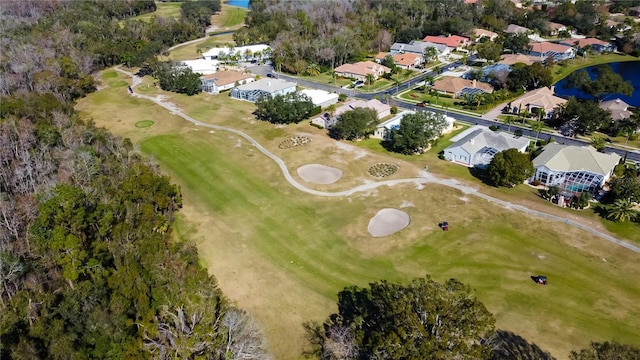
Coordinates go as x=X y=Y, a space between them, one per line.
x=331 y=33
x=88 y=267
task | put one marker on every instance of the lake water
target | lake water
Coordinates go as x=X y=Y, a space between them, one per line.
x=239 y=3
x=628 y=70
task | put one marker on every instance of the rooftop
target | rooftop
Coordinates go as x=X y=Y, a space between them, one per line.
x=268 y=85
x=543 y=47
x=226 y=77
x=454 y=85
x=483 y=137
x=576 y=158
x=543 y=98
x=319 y=96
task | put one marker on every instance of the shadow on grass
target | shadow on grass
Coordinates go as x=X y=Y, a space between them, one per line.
x=506 y=345
x=482 y=175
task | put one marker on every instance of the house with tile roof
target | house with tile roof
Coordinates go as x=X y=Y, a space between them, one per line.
x=480 y=33
x=618 y=108
x=478 y=146
x=543 y=98
x=403 y=61
x=224 y=80
x=574 y=168
x=597 y=45
x=458 y=86
x=263 y=87
x=327 y=119
x=545 y=49
x=452 y=41
x=554 y=28
x=517 y=29
x=510 y=59
x=360 y=70
x=418 y=47
x=383 y=130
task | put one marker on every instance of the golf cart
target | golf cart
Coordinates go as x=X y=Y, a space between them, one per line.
x=540 y=279
x=444 y=226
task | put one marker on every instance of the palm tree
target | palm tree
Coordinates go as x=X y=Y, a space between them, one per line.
x=622 y=210
x=537 y=127
x=370 y=79
x=313 y=69
x=508 y=120
x=598 y=143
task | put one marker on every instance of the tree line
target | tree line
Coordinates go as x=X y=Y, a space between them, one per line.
x=88 y=265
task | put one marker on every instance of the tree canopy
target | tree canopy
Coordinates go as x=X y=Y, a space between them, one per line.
x=510 y=167
x=179 y=79
x=417 y=131
x=422 y=320
x=355 y=124
x=583 y=116
x=606 y=82
x=607 y=350
x=290 y=108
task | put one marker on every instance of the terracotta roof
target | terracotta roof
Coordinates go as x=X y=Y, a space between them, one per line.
x=362 y=68
x=584 y=42
x=450 y=41
x=454 y=85
x=226 y=77
x=543 y=47
x=405 y=59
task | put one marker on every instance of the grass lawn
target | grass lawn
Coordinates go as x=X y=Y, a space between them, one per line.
x=560 y=72
x=230 y=17
x=283 y=255
x=163 y=9
x=418 y=96
x=190 y=51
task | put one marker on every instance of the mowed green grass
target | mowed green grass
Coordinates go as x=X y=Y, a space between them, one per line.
x=322 y=245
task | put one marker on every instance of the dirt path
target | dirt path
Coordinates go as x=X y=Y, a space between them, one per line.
x=423 y=178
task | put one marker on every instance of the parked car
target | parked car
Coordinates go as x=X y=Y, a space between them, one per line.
x=270 y=75
x=358 y=84
x=422 y=104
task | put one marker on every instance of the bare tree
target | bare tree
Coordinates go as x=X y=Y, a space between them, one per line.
x=244 y=338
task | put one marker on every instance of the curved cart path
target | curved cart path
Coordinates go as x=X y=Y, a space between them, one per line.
x=423 y=179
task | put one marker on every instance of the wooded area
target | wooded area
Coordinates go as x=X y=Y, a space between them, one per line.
x=87 y=265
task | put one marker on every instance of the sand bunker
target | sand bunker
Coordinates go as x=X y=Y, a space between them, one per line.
x=387 y=222
x=319 y=174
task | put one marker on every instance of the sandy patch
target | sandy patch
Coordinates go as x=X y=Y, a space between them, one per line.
x=319 y=174
x=388 y=221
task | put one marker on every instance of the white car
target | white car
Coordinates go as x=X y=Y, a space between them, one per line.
x=358 y=84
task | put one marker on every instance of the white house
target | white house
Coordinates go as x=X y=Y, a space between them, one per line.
x=263 y=87
x=327 y=120
x=479 y=144
x=224 y=80
x=383 y=131
x=574 y=168
x=247 y=53
x=320 y=97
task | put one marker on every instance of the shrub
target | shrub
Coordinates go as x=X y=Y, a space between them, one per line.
x=394 y=109
x=493 y=128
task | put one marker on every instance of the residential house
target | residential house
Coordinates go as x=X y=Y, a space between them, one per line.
x=478 y=145
x=327 y=120
x=320 y=97
x=555 y=28
x=618 y=108
x=403 y=61
x=458 y=87
x=482 y=33
x=246 y=53
x=511 y=59
x=224 y=80
x=597 y=45
x=574 y=168
x=543 y=98
x=263 y=87
x=453 y=42
x=517 y=29
x=558 y=52
x=360 y=70
x=418 y=48
x=383 y=130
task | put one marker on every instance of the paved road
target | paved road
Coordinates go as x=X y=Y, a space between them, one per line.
x=631 y=154
x=423 y=179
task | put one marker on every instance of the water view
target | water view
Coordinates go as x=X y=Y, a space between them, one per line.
x=628 y=70
x=239 y=3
